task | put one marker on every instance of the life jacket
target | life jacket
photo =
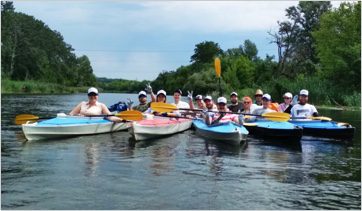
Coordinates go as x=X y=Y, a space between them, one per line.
x=118 y=107
x=274 y=106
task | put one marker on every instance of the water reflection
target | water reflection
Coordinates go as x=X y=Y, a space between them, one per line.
x=92 y=158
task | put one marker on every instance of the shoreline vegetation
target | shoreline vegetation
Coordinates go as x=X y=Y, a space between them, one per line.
x=33 y=88
x=319 y=49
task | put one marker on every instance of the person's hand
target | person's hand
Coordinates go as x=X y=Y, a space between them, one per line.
x=148 y=88
x=189 y=96
x=164 y=114
x=129 y=103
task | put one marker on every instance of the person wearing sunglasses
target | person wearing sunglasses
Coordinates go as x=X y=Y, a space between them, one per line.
x=266 y=100
x=93 y=107
x=248 y=105
x=258 y=97
x=286 y=106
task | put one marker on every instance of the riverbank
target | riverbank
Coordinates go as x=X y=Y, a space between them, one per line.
x=36 y=87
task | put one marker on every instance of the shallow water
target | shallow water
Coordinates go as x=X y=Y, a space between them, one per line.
x=183 y=171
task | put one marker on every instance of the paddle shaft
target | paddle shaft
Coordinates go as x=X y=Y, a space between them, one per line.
x=225 y=112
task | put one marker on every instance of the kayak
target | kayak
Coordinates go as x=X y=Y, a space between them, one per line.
x=157 y=127
x=326 y=129
x=275 y=132
x=227 y=132
x=67 y=126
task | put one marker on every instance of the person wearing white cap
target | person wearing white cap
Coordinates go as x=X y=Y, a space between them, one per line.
x=198 y=99
x=303 y=109
x=221 y=117
x=178 y=102
x=286 y=106
x=235 y=105
x=142 y=98
x=266 y=100
x=160 y=97
x=93 y=107
x=209 y=104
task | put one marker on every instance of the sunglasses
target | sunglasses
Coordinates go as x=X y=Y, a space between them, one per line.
x=247 y=102
x=222 y=104
x=92 y=94
x=258 y=95
x=287 y=98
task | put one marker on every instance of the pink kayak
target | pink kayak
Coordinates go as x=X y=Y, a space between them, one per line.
x=159 y=126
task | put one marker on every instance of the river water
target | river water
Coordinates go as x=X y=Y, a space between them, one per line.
x=183 y=171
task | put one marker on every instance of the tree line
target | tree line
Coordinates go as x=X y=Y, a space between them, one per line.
x=319 y=48
x=31 y=51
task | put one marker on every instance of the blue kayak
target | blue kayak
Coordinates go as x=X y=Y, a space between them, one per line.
x=227 y=132
x=67 y=126
x=327 y=129
x=275 y=132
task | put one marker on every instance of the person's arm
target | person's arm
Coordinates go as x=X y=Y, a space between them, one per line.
x=314 y=110
x=105 y=111
x=76 y=110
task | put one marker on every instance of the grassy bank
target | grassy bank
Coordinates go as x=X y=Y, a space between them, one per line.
x=36 y=87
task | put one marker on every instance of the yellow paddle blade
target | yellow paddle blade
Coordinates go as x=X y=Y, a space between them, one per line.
x=323 y=118
x=162 y=107
x=218 y=67
x=23 y=118
x=276 y=116
x=130 y=115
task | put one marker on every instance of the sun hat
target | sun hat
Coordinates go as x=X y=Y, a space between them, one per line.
x=259 y=92
x=221 y=100
x=304 y=92
x=267 y=96
x=93 y=90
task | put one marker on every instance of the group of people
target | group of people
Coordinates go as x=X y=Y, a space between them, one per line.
x=212 y=112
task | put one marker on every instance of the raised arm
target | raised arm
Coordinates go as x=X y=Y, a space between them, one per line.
x=76 y=110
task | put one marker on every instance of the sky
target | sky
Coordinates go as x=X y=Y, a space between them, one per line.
x=137 y=40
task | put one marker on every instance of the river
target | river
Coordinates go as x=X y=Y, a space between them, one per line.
x=183 y=171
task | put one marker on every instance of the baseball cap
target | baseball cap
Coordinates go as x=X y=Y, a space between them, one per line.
x=142 y=93
x=304 y=92
x=198 y=97
x=288 y=94
x=208 y=97
x=93 y=90
x=259 y=92
x=178 y=91
x=221 y=100
x=233 y=93
x=267 y=96
x=161 y=92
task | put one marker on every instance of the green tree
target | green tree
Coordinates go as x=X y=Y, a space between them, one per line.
x=338 y=42
x=205 y=52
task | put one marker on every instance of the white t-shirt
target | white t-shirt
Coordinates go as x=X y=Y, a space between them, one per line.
x=260 y=111
x=306 y=110
x=182 y=104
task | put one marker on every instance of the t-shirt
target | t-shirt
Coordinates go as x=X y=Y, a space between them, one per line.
x=306 y=110
x=285 y=108
x=252 y=108
x=141 y=108
x=235 y=107
x=182 y=104
x=261 y=111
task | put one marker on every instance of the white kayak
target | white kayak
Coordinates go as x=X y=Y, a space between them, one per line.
x=68 y=126
x=158 y=126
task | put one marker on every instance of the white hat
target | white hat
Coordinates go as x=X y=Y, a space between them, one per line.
x=92 y=89
x=267 y=96
x=288 y=94
x=161 y=92
x=142 y=93
x=304 y=92
x=208 y=97
x=234 y=93
x=221 y=100
x=198 y=97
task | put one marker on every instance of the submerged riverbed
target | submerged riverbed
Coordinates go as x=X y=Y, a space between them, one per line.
x=183 y=171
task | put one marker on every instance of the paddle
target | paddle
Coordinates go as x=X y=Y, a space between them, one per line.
x=164 y=107
x=322 y=118
x=218 y=73
x=126 y=115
